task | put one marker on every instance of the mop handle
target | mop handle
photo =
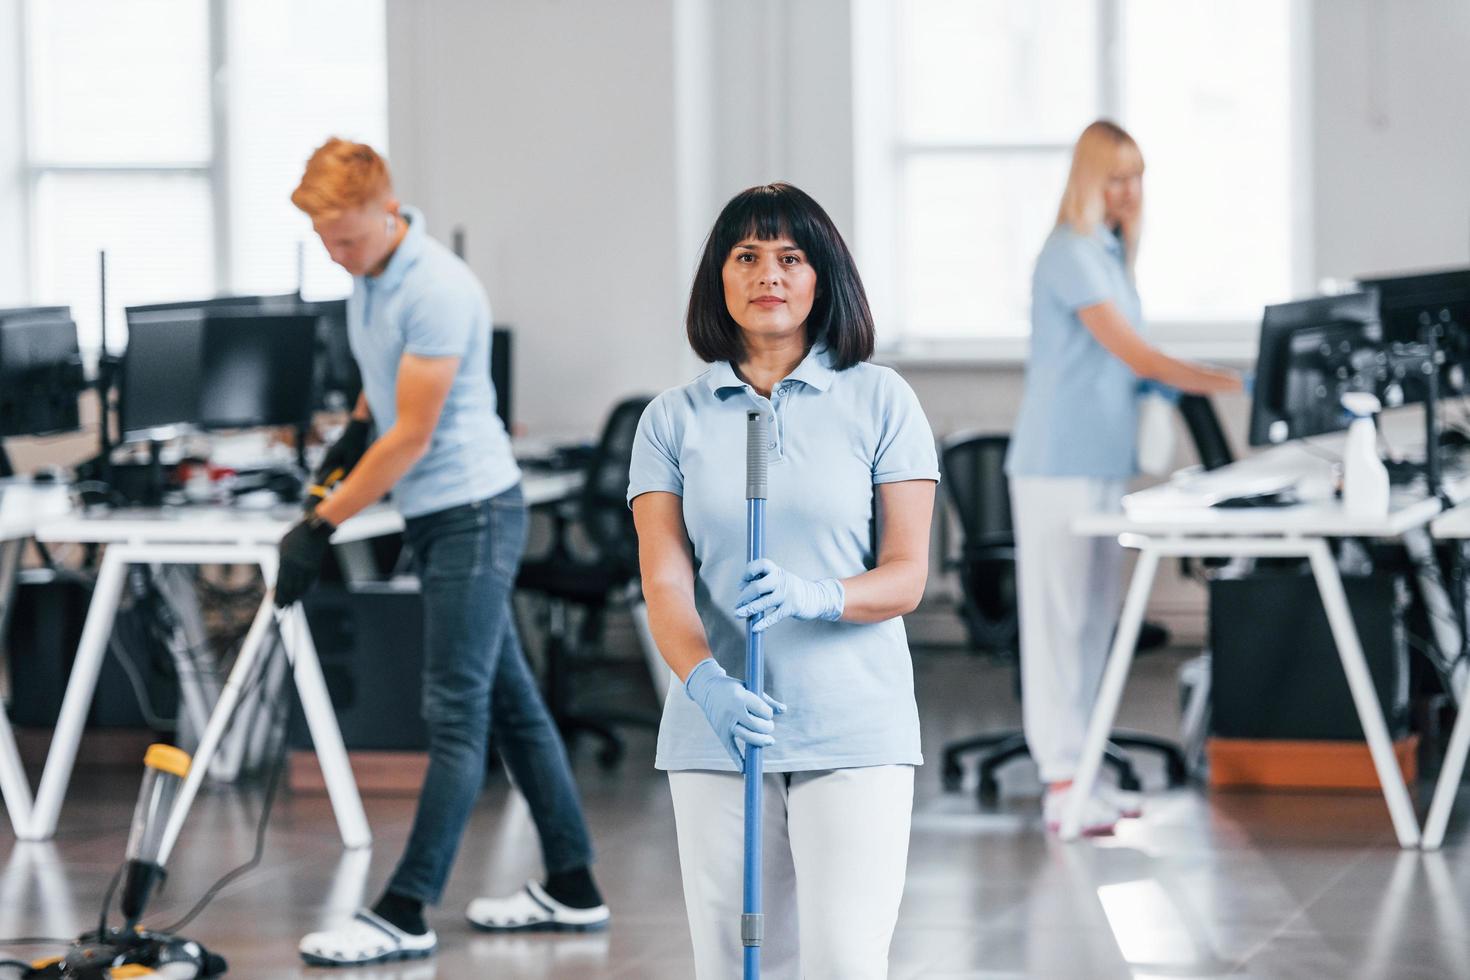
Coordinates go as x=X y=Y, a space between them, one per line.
x=752 y=921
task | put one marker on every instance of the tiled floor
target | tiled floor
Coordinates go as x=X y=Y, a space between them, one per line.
x=1239 y=885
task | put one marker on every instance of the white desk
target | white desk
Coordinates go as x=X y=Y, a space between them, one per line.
x=22 y=507
x=1162 y=521
x=216 y=535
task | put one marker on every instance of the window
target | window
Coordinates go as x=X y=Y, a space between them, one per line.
x=171 y=132
x=961 y=163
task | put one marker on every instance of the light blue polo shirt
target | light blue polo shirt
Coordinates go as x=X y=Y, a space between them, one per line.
x=1079 y=413
x=848 y=687
x=428 y=302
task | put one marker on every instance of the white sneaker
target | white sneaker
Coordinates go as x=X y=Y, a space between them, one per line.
x=366 y=939
x=1099 y=816
x=532 y=910
x=1128 y=802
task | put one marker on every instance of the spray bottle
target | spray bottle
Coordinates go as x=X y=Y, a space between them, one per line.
x=1365 y=478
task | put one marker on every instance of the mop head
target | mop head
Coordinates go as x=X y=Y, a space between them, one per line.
x=144 y=955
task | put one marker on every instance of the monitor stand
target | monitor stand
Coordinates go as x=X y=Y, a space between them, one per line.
x=153 y=482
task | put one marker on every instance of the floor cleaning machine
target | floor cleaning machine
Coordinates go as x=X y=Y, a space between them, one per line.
x=130 y=952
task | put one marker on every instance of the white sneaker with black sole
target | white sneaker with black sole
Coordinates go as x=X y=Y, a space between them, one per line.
x=364 y=940
x=532 y=910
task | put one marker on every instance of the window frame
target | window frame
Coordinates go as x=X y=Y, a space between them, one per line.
x=214 y=170
x=883 y=153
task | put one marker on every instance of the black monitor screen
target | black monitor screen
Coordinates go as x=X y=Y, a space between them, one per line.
x=1313 y=352
x=159 y=383
x=335 y=376
x=1407 y=303
x=257 y=370
x=40 y=372
x=501 y=362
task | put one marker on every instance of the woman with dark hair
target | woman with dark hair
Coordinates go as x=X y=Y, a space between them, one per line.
x=779 y=312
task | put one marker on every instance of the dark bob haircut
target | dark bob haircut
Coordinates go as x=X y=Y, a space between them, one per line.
x=840 y=317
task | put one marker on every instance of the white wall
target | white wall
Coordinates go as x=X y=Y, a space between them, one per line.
x=546 y=129
x=1392 y=135
x=13 y=264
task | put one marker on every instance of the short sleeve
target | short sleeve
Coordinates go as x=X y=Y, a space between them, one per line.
x=655 y=461
x=441 y=322
x=1075 y=270
x=905 y=441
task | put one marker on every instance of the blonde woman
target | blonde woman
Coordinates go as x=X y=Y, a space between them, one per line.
x=1072 y=450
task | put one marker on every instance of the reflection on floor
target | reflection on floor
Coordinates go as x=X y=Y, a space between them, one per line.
x=1238 y=885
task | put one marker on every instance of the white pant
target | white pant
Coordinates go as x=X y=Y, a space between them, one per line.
x=835 y=853
x=1069 y=588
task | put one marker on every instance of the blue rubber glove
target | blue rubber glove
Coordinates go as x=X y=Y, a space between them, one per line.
x=773 y=594
x=738 y=717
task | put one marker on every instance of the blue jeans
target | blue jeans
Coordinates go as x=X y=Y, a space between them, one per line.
x=477 y=684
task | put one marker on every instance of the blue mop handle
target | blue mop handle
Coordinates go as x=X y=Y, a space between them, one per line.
x=752 y=921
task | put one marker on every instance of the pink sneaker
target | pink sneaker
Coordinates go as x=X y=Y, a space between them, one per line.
x=1099 y=816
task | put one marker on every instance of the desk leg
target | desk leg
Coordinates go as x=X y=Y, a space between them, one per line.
x=79 y=690
x=1448 y=784
x=1360 y=682
x=219 y=721
x=326 y=737
x=1125 y=641
x=13 y=784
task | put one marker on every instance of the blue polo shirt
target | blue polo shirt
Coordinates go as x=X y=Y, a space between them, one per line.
x=848 y=687
x=428 y=302
x=1079 y=412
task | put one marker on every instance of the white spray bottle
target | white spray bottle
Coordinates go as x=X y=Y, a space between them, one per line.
x=1365 y=478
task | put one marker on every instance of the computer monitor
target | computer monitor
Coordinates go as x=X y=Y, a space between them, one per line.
x=1407 y=303
x=257 y=369
x=159 y=379
x=1312 y=352
x=41 y=373
x=501 y=362
x=35 y=312
x=335 y=375
x=275 y=303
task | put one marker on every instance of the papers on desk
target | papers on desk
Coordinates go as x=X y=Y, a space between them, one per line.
x=1209 y=490
x=1286 y=472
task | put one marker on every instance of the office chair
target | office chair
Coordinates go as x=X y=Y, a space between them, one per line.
x=974 y=477
x=591 y=583
x=1213 y=450
x=1205 y=431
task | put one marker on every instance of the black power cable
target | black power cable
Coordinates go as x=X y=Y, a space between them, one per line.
x=272 y=785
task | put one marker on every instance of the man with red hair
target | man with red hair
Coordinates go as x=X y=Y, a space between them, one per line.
x=419 y=328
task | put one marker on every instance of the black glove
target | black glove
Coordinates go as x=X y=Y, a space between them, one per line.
x=341 y=456
x=302 y=551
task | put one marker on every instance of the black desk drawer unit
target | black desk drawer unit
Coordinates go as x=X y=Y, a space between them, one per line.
x=370 y=644
x=1275 y=671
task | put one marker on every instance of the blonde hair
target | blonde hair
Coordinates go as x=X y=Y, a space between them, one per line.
x=1103 y=147
x=340 y=176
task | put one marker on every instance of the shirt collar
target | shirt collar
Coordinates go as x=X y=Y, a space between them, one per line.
x=1108 y=239
x=407 y=252
x=814 y=370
